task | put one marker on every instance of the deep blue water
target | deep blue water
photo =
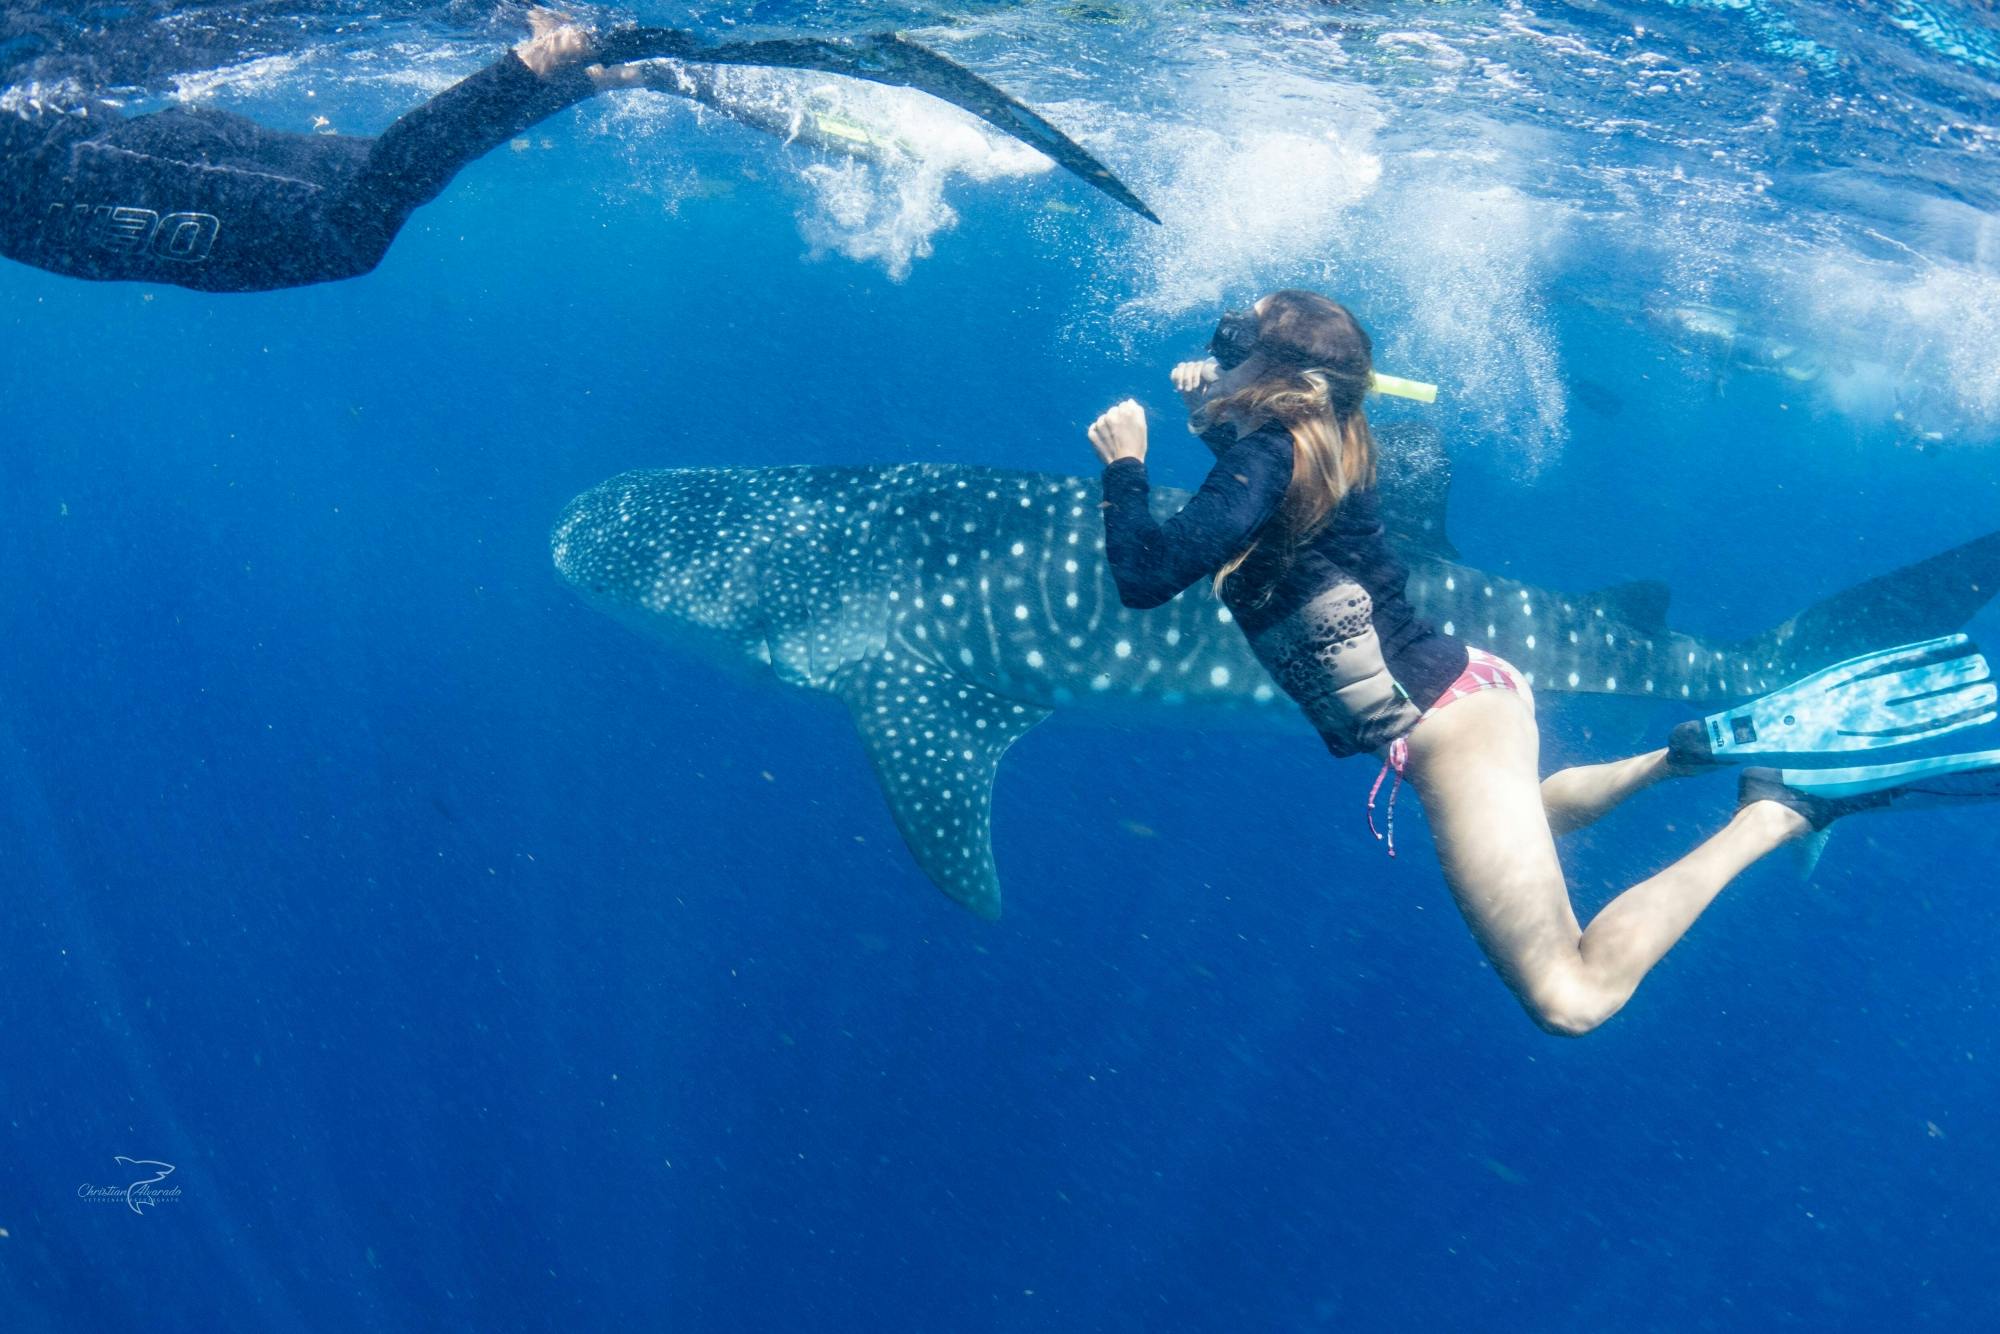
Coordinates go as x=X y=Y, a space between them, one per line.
x=481 y=965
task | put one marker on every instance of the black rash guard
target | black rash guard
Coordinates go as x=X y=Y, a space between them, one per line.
x=212 y=201
x=1327 y=617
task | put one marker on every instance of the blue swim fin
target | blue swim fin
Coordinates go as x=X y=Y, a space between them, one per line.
x=1942 y=780
x=1825 y=795
x=1894 y=697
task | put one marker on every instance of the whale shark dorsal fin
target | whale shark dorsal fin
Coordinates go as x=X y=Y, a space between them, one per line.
x=935 y=743
x=1641 y=604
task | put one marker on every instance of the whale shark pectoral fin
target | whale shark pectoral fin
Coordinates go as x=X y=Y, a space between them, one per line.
x=935 y=743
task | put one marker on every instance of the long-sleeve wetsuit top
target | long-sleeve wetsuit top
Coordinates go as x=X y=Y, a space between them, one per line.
x=212 y=201
x=1152 y=561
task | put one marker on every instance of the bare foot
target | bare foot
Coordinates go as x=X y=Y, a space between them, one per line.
x=558 y=42
x=1779 y=823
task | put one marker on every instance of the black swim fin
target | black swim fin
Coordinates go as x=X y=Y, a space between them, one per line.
x=880 y=58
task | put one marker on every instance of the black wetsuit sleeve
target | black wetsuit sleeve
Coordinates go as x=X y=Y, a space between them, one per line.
x=1153 y=561
x=415 y=159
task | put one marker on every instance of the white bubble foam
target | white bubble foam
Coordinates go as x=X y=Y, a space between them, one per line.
x=37 y=97
x=1910 y=343
x=1241 y=203
x=873 y=162
x=1471 y=263
x=1440 y=256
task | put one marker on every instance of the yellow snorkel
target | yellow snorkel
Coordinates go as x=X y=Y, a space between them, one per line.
x=1397 y=387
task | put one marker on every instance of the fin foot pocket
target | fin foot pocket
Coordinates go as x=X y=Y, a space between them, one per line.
x=1825 y=795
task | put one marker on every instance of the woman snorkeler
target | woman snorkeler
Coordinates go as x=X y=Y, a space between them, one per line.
x=1288 y=525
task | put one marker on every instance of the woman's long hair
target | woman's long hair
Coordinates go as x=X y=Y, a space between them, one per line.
x=1318 y=364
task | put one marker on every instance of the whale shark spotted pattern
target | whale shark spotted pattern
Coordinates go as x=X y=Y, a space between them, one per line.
x=952 y=608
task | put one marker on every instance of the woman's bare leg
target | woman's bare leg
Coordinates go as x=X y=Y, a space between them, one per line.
x=1583 y=794
x=1473 y=765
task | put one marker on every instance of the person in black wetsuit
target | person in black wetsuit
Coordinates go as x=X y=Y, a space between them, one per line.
x=1288 y=525
x=212 y=201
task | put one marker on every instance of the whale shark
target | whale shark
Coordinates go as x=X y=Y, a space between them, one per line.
x=951 y=608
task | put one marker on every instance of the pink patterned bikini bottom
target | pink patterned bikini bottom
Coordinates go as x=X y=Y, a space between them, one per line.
x=1483 y=671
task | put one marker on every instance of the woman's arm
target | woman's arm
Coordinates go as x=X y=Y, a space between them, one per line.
x=1152 y=561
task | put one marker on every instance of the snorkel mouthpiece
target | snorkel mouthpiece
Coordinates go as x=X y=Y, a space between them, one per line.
x=1397 y=387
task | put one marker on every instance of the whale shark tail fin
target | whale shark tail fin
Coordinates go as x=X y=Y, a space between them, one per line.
x=888 y=59
x=1924 y=600
x=935 y=744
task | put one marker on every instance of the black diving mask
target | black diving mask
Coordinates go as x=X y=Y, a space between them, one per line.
x=1234 y=339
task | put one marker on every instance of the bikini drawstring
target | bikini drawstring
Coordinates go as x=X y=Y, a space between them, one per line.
x=1399 y=757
